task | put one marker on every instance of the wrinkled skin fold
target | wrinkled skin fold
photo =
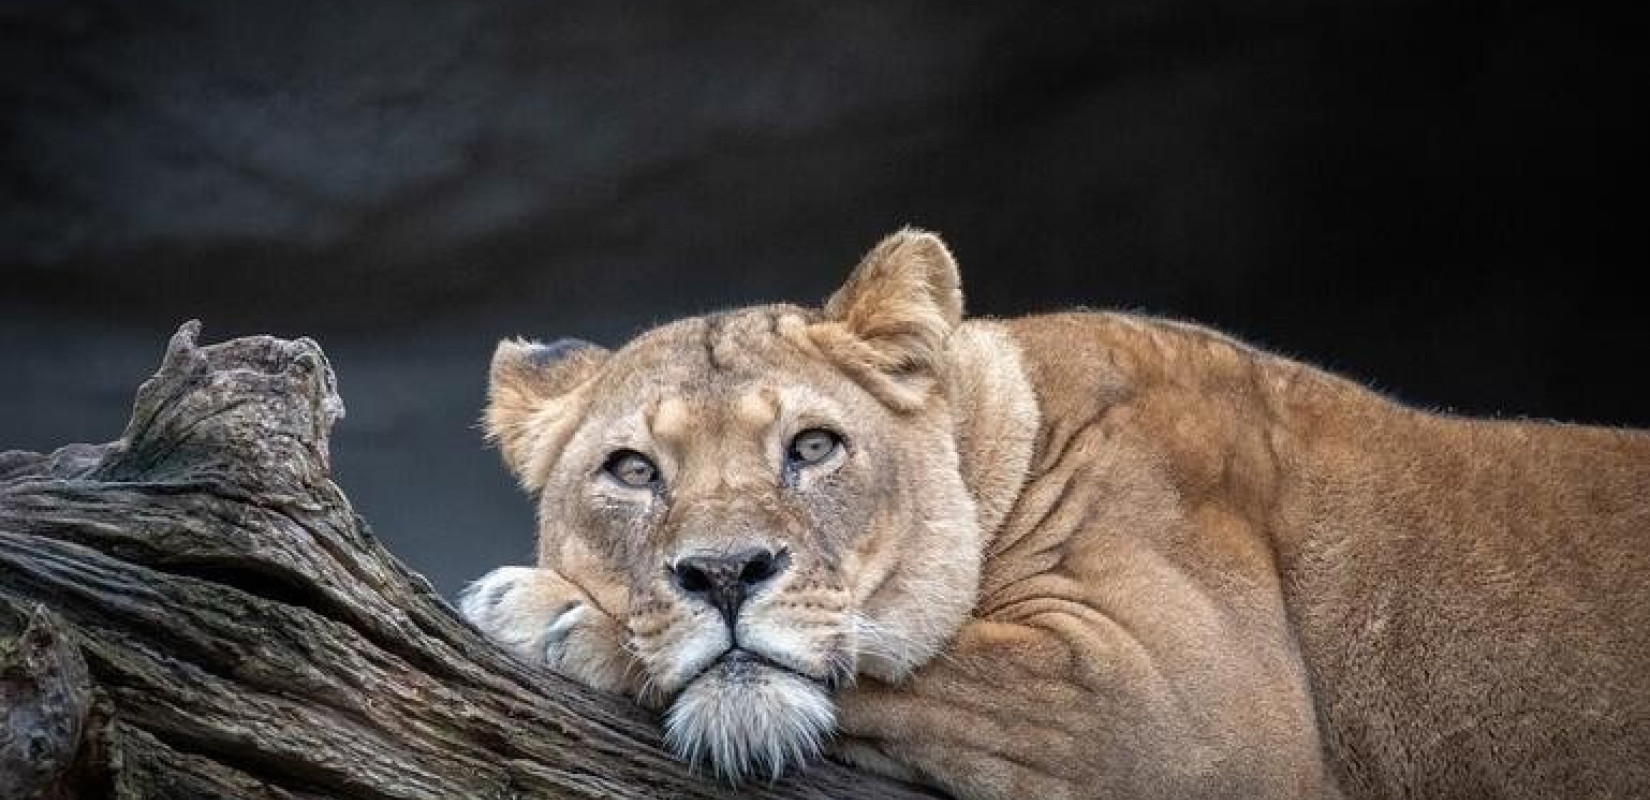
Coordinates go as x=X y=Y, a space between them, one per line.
x=1073 y=555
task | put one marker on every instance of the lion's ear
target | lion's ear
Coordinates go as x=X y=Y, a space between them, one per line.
x=531 y=393
x=890 y=322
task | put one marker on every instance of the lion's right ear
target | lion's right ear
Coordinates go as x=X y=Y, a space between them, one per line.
x=890 y=323
x=533 y=400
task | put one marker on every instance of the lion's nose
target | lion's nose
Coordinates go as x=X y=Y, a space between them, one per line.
x=725 y=581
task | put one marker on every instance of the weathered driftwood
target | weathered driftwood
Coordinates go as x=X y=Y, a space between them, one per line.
x=194 y=611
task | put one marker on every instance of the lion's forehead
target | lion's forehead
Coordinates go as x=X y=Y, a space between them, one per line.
x=736 y=342
x=720 y=373
x=677 y=419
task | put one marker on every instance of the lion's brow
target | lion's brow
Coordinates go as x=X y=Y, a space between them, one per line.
x=713 y=331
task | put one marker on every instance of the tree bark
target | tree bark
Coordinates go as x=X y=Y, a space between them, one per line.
x=194 y=611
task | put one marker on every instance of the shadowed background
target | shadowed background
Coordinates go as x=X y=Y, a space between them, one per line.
x=1423 y=196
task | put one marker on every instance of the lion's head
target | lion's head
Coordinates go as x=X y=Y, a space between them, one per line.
x=770 y=501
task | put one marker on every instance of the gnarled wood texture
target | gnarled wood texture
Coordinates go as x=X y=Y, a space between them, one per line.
x=194 y=611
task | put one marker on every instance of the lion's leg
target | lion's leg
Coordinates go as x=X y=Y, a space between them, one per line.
x=1075 y=709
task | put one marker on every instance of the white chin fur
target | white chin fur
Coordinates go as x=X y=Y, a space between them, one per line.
x=748 y=719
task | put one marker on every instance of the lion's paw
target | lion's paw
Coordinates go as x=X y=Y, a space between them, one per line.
x=546 y=619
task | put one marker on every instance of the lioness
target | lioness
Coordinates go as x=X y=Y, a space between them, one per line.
x=1070 y=556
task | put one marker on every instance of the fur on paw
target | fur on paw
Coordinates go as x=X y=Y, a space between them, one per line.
x=546 y=619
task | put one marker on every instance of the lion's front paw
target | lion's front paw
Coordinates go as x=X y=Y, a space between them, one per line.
x=544 y=618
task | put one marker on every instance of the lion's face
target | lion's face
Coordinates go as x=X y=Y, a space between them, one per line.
x=770 y=501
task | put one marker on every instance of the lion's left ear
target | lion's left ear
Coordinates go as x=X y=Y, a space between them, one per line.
x=888 y=325
x=533 y=399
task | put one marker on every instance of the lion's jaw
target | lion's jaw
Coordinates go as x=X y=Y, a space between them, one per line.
x=744 y=715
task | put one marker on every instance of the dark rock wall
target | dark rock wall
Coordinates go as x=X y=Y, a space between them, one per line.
x=1436 y=198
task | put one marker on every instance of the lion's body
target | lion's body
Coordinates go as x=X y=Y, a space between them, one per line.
x=1195 y=569
x=1441 y=607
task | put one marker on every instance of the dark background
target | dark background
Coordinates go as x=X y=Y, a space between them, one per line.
x=1444 y=200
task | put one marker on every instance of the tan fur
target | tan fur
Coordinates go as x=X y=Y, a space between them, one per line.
x=1160 y=563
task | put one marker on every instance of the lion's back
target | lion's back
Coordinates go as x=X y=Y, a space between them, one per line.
x=1469 y=600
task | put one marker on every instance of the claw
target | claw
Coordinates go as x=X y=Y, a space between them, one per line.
x=568 y=618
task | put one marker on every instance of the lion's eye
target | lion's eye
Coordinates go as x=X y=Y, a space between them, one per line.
x=632 y=469
x=813 y=446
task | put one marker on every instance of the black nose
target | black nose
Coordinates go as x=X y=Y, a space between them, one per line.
x=725 y=581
